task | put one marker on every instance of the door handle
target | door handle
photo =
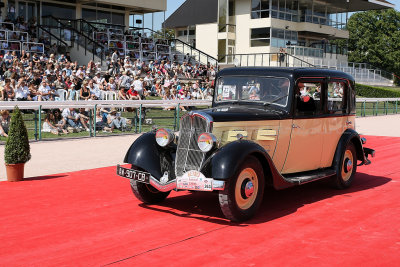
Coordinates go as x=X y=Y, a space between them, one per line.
x=294 y=126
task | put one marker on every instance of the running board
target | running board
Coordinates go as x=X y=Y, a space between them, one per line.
x=306 y=177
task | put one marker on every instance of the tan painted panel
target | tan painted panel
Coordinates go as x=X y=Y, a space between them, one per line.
x=305 y=147
x=227 y=132
x=283 y=140
x=333 y=130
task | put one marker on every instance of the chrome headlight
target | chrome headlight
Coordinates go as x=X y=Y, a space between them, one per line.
x=164 y=137
x=206 y=141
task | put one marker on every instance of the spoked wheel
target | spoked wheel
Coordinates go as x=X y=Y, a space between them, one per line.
x=347 y=168
x=147 y=193
x=244 y=192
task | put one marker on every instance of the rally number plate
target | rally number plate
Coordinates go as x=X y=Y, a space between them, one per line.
x=194 y=180
x=143 y=177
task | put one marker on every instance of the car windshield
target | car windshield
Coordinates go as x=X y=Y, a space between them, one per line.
x=267 y=90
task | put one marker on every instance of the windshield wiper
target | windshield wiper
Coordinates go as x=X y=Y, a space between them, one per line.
x=275 y=100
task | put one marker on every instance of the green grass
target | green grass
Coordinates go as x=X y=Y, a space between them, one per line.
x=380 y=108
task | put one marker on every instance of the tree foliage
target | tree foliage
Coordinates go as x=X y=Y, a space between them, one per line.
x=17 y=149
x=375 y=39
x=169 y=34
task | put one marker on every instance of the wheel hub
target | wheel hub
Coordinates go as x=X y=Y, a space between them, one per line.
x=247 y=189
x=348 y=165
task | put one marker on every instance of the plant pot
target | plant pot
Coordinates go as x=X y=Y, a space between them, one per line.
x=15 y=172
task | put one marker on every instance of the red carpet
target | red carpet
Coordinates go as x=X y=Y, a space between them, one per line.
x=91 y=218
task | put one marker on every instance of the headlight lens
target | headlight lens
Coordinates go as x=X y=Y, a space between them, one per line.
x=206 y=141
x=164 y=137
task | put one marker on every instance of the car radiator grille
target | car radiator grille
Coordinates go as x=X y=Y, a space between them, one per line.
x=188 y=155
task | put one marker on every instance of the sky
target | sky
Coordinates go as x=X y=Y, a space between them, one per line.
x=172 y=5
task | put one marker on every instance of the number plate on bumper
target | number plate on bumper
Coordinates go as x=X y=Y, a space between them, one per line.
x=194 y=180
x=143 y=177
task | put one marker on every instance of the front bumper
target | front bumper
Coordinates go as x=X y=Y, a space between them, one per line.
x=181 y=183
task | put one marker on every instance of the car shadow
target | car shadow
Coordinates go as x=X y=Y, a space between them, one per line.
x=44 y=177
x=204 y=205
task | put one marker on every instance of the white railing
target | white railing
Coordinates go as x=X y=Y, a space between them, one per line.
x=101 y=103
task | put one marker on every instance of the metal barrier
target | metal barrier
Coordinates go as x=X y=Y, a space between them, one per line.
x=377 y=106
x=155 y=114
x=139 y=110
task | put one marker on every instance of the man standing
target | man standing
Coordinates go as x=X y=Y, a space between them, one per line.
x=114 y=62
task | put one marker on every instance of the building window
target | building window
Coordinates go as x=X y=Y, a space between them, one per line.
x=58 y=11
x=282 y=38
x=259 y=9
x=260 y=37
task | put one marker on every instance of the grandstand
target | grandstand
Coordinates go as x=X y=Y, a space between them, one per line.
x=275 y=33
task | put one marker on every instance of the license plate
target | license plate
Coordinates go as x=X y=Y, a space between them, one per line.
x=194 y=180
x=143 y=177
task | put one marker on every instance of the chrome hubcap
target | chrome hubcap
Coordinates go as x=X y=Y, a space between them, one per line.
x=349 y=166
x=249 y=189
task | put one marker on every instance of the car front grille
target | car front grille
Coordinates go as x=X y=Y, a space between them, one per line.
x=188 y=155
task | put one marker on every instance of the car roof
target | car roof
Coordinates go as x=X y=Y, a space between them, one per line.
x=294 y=73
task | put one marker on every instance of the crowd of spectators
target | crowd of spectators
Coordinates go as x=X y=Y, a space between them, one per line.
x=38 y=77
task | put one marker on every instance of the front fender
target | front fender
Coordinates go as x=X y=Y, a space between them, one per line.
x=146 y=154
x=225 y=162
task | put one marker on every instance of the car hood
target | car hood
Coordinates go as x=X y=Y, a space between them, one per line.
x=244 y=113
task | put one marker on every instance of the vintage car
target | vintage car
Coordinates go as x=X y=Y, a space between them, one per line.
x=276 y=127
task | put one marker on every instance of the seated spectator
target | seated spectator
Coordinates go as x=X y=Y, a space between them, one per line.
x=133 y=94
x=84 y=118
x=72 y=119
x=54 y=123
x=122 y=93
x=8 y=93
x=84 y=92
x=4 y=123
x=44 y=92
x=22 y=91
x=115 y=121
x=100 y=124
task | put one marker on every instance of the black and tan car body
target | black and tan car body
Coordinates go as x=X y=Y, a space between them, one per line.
x=293 y=148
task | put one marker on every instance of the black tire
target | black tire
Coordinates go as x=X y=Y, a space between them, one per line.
x=147 y=193
x=234 y=200
x=347 y=168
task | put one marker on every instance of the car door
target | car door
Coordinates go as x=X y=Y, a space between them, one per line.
x=336 y=117
x=306 y=140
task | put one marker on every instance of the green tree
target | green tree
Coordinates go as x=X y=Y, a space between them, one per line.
x=375 y=39
x=169 y=34
x=17 y=149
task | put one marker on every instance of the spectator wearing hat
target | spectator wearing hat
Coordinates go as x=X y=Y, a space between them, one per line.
x=115 y=121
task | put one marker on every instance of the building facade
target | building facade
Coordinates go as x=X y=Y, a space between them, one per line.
x=303 y=28
x=106 y=11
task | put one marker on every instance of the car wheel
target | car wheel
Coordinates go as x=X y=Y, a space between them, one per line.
x=347 y=168
x=147 y=193
x=244 y=192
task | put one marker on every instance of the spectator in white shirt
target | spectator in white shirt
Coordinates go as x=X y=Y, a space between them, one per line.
x=138 y=84
x=22 y=91
x=45 y=92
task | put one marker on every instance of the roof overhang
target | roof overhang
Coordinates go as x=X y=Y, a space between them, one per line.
x=356 y=5
x=134 y=6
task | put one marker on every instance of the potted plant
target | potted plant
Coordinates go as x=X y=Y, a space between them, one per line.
x=17 y=149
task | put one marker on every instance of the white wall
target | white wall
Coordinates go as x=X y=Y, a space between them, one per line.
x=207 y=38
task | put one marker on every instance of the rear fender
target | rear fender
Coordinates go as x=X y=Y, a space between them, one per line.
x=349 y=135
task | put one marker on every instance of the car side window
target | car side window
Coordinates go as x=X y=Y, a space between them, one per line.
x=337 y=97
x=308 y=98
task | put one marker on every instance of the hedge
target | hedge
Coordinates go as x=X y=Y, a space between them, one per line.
x=376 y=92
